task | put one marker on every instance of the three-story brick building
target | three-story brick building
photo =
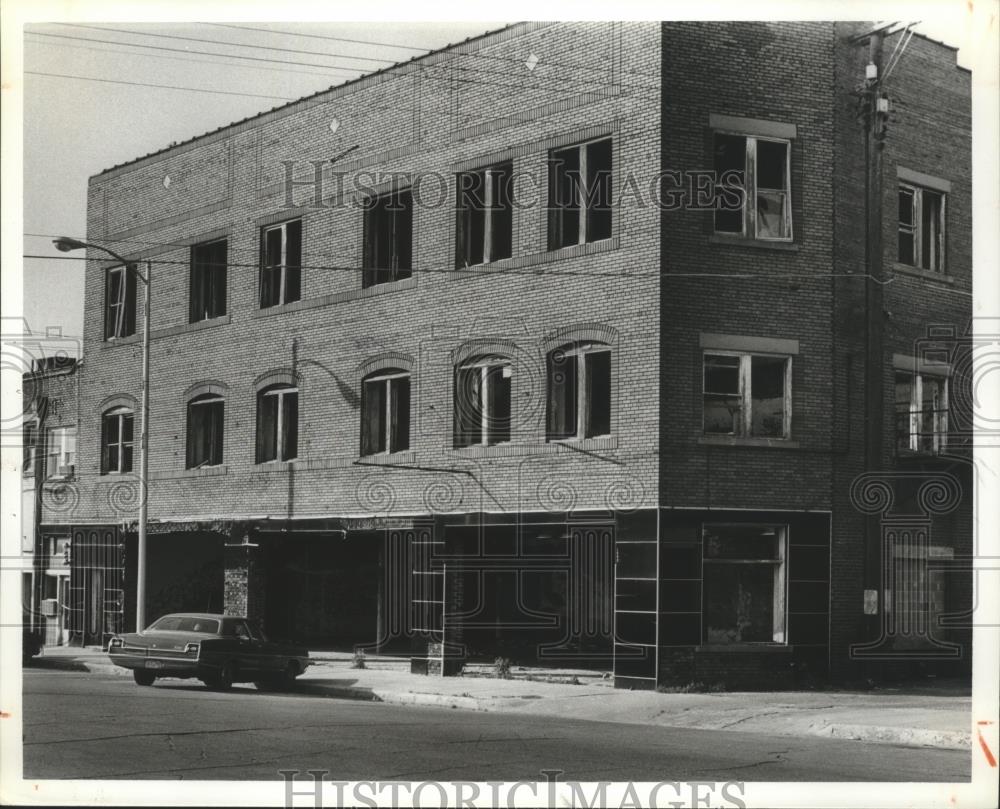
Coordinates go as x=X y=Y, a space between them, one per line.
x=553 y=341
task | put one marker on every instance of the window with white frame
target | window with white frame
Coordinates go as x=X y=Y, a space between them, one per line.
x=29 y=440
x=117 y=440
x=484 y=221
x=119 y=303
x=580 y=194
x=747 y=395
x=281 y=263
x=921 y=412
x=385 y=412
x=277 y=423
x=744 y=582
x=61 y=452
x=206 y=415
x=754 y=193
x=208 y=280
x=579 y=391
x=483 y=401
x=921 y=227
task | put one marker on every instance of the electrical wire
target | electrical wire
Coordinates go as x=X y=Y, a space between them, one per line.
x=159 y=86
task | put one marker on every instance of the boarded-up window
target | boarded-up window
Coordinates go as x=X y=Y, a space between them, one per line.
x=753 y=187
x=119 y=303
x=921 y=228
x=281 y=264
x=205 y=422
x=208 y=280
x=482 y=402
x=747 y=395
x=580 y=194
x=117 y=441
x=579 y=391
x=744 y=583
x=385 y=412
x=277 y=423
x=388 y=237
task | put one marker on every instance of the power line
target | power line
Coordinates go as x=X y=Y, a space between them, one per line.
x=317 y=36
x=160 y=86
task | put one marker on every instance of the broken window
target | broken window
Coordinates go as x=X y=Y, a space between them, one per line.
x=747 y=395
x=744 y=583
x=119 y=303
x=385 y=412
x=60 y=452
x=753 y=191
x=921 y=228
x=208 y=280
x=921 y=412
x=117 y=440
x=580 y=194
x=205 y=420
x=579 y=391
x=484 y=222
x=388 y=238
x=277 y=423
x=482 y=401
x=281 y=264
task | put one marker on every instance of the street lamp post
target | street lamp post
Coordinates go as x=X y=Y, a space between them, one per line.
x=66 y=244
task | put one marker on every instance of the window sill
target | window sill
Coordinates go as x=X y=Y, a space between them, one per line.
x=505 y=449
x=339 y=297
x=768 y=648
x=279 y=466
x=118 y=477
x=202 y=472
x=927 y=275
x=387 y=458
x=596 y=442
x=114 y=342
x=733 y=441
x=758 y=244
x=221 y=320
x=58 y=480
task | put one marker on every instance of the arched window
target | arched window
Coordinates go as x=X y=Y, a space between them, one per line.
x=579 y=391
x=385 y=411
x=482 y=401
x=117 y=439
x=205 y=423
x=277 y=423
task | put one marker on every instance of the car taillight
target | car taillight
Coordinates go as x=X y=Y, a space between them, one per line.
x=115 y=643
x=192 y=648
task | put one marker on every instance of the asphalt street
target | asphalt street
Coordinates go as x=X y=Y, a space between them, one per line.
x=85 y=725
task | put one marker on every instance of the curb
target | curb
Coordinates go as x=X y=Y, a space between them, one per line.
x=908 y=737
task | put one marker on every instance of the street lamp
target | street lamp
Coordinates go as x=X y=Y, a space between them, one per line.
x=65 y=244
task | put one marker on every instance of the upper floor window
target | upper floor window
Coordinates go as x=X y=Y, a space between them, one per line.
x=579 y=391
x=117 y=438
x=29 y=439
x=921 y=412
x=482 y=401
x=921 y=227
x=277 y=423
x=580 y=194
x=281 y=264
x=744 y=583
x=747 y=395
x=753 y=176
x=208 y=280
x=484 y=221
x=60 y=452
x=119 y=303
x=205 y=422
x=388 y=238
x=385 y=412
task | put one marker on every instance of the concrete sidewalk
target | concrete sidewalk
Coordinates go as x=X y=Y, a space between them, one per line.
x=920 y=720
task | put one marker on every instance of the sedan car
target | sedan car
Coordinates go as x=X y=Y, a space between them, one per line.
x=217 y=649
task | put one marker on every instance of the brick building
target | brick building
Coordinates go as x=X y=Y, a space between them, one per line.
x=567 y=333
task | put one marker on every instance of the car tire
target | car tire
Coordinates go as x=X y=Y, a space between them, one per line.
x=143 y=677
x=223 y=681
x=264 y=685
x=286 y=680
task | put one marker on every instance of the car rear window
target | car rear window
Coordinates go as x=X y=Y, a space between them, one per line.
x=176 y=623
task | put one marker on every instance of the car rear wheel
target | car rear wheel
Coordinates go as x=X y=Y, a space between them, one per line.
x=227 y=674
x=143 y=677
x=286 y=680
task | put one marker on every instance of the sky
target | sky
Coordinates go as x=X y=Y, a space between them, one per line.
x=81 y=114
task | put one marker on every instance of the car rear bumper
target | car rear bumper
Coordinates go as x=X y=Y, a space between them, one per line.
x=166 y=666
